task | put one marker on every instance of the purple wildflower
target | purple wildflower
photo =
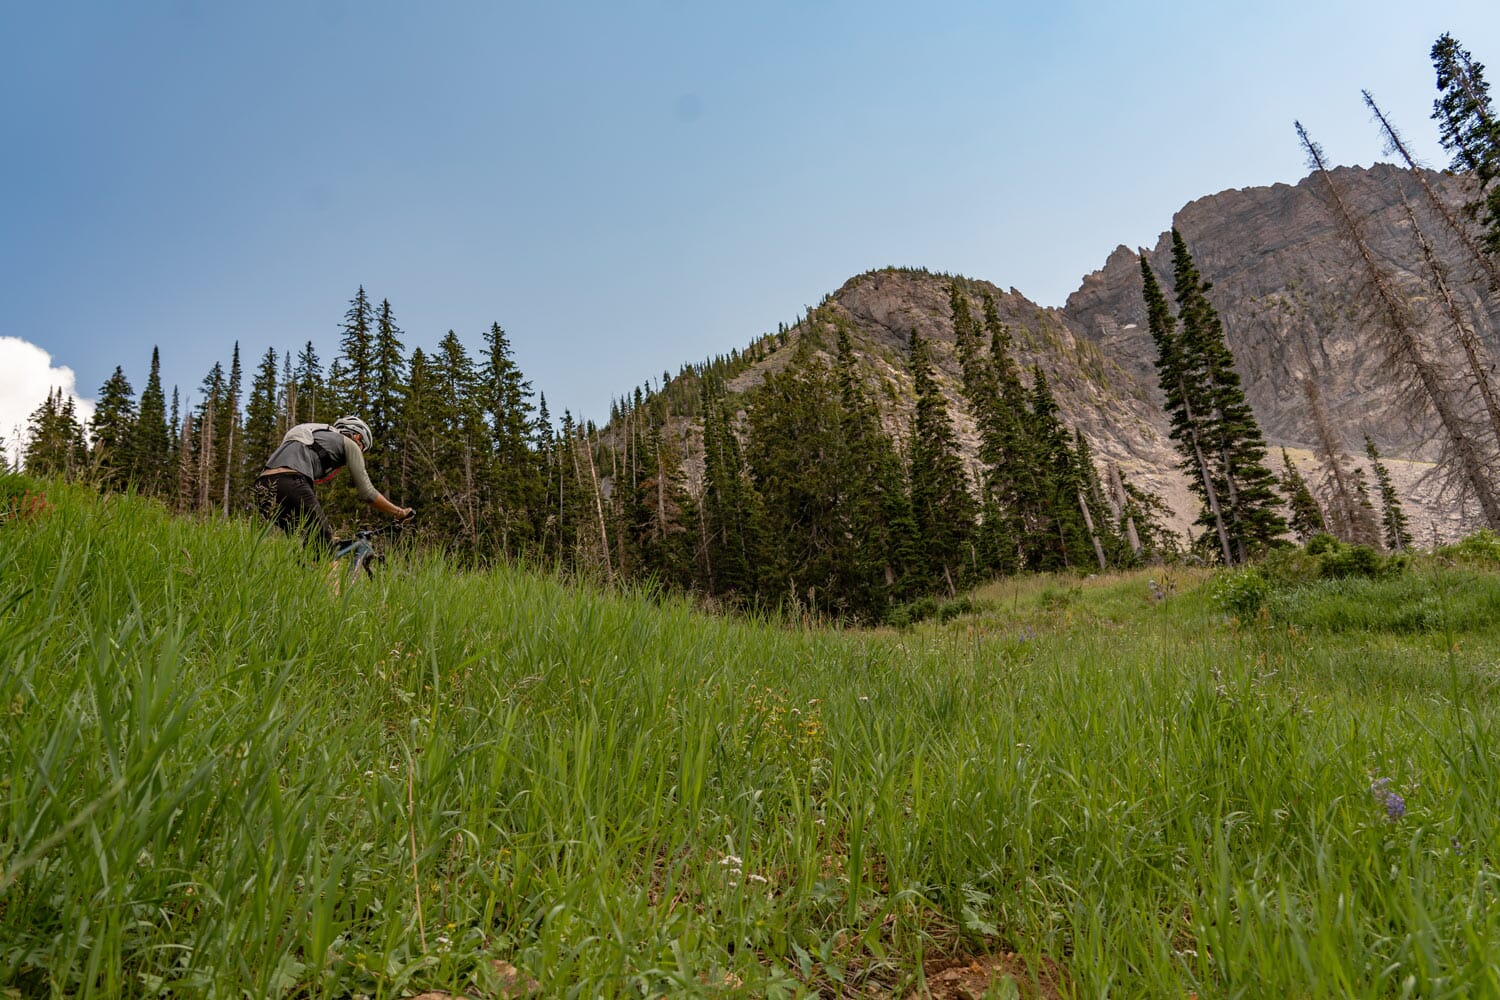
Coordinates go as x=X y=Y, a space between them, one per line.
x=1395 y=805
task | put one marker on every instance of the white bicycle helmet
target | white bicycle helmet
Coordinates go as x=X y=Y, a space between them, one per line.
x=354 y=425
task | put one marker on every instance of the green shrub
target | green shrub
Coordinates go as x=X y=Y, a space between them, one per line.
x=1240 y=593
x=906 y=615
x=1289 y=565
x=1349 y=560
x=1481 y=548
x=1055 y=598
x=1325 y=557
x=1321 y=543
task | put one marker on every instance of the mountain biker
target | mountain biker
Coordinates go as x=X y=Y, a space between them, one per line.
x=310 y=454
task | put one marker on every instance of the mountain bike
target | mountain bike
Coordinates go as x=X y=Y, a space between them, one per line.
x=360 y=551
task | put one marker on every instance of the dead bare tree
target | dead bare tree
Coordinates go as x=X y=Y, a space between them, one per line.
x=1476 y=357
x=289 y=411
x=1348 y=519
x=1394 y=144
x=185 y=470
x=1122 y=503
x=583 y=442
x=205 y=454
x=1088 y=522
x=229 y=475
x=1399 y=338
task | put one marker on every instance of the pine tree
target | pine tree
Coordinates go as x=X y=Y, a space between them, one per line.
x=262 y=431
x=1367 y=507
x=185 y=490
x=660 y=506
x=356 y=362
x=418 y=473
x=1186 y=409
x=151 y=443
x=875 y=511
x=230 y=438
x=731 y=554
x=514 y=476
x=55 y=445
x=309 y=402
x=583 y=530
x=993 y=391
x=449 y=461
x=1307 y=515
x=388 y=373
x=1393 y=521
x=206 y=440
x=1233 y=434
x=1069 y=543
x=111 y=430
x=793 y=453
x=942 y=507
x=174 y=442
x=1470 y=131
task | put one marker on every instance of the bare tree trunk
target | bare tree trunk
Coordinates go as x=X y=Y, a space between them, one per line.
x=1234 y=506
x=1123 y=500
x=708 y=563
x=229 y=476
x=289 y=417
x=583 y=442
x=1479 y=366
x=1088 y=521
x=1465 y=236
x=1405 y=351
x=1211 y=494
x=1351 y=520
x=206 y=456
x=185 y=484
x=469 y=497
x=660 y=531
x=609 y=570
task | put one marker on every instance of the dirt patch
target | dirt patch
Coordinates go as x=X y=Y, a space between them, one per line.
x=969 y=978
x=510 y=983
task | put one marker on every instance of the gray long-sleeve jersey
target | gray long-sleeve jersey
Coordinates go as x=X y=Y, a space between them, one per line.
x=317 y=451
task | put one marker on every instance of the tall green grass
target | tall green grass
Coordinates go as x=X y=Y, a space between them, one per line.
x=222 y=778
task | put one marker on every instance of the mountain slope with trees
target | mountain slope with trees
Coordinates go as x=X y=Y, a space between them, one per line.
x=819 y=467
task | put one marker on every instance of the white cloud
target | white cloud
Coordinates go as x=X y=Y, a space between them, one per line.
x=26 y=376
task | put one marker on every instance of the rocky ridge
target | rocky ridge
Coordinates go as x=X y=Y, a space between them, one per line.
x=1287 y=290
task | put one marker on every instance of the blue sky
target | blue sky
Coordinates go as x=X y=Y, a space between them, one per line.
x=626 y=186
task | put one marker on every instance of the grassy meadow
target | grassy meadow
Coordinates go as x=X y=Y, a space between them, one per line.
x=221 y=778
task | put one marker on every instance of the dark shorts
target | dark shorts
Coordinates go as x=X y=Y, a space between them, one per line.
x=287 y=500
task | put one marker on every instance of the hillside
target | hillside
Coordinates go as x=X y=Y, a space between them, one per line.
x=1284 y=287
x=222 y=777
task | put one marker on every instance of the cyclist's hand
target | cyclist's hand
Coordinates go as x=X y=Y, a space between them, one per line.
x=407 y=513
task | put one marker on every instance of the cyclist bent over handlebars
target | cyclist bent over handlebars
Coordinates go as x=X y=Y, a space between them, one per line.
x=314 y=453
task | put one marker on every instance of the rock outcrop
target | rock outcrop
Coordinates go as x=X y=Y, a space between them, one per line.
x=1293 y=304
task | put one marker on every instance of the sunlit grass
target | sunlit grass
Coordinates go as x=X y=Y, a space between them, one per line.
x=220 y=778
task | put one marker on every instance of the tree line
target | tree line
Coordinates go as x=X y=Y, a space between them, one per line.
x=795 y=494
x=803 y=492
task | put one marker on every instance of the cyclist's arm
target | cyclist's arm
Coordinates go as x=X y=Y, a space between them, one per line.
x=355 y=460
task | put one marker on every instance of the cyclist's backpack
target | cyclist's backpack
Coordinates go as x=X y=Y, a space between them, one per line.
x=329 y=464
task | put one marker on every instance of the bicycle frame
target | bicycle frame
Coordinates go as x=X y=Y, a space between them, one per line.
x=360 y=551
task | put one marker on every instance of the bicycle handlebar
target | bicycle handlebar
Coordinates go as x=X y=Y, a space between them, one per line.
x=394 y=527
